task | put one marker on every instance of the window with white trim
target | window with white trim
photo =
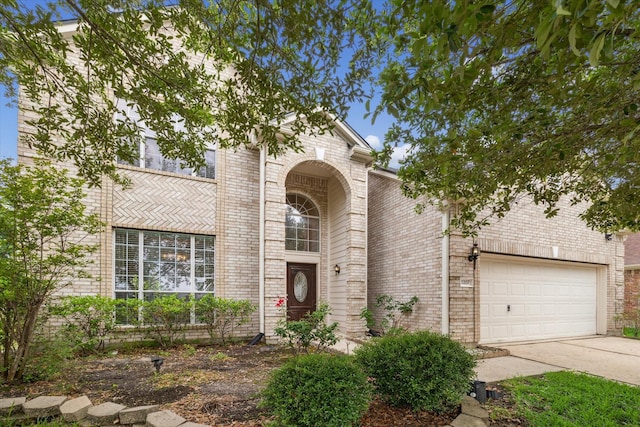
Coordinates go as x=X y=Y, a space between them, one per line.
x=302 y=224
x=150 y=157
x=149 y=264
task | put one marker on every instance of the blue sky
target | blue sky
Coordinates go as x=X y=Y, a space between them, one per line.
x=8 y=128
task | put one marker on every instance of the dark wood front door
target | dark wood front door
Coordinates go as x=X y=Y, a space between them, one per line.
x=301 y=290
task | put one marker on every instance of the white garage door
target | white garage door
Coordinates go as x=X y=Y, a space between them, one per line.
x=522 y=300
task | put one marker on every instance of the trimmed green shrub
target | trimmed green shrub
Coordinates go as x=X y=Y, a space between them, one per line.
x=221 y=315
x=423 y=370
x=318 y=390
x=166 y=318
x=312 y=328
x=89 y=320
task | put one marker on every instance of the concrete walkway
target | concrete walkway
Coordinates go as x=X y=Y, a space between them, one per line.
x=614 y=358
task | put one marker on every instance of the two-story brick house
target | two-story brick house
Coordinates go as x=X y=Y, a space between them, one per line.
x=323 y=225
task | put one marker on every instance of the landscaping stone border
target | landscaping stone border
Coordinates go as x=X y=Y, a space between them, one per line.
x=81 y=410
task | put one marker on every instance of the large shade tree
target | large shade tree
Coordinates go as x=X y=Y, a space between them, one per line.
x=508 y=99
x=294 y=62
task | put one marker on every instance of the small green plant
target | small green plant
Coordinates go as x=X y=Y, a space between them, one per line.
x=318 y=390
x=88 y=320
x=630 y=323
x=312 y=328
x=423 y=370
x=165 y=319
x=189 y=350
x=222 y=315
x=395 y=314
x=219 y=356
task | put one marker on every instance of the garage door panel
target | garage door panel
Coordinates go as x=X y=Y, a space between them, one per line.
x=518 y=289
x=534 y=309
x=547 y=300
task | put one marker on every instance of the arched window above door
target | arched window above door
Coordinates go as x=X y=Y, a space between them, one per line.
x=302 y=224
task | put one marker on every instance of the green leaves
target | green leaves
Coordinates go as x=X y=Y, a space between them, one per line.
x=222 y=315
x=45 y=242
x=199 y=74
x=531 y=103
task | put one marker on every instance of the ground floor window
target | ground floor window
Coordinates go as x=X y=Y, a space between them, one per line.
x=150 y=264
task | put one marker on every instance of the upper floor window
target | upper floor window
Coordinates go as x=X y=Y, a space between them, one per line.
x=302 y=224
x=150 y=156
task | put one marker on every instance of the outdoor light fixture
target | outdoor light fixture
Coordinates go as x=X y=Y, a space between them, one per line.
x=336 y=269
x=473 y=256
x=608 y=236
x=157 y=362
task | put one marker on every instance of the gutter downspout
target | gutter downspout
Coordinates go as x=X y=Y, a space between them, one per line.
x=261 y=248
x=445 y=270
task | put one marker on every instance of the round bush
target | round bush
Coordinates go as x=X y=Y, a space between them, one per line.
x=318 y=390
x=423 y=370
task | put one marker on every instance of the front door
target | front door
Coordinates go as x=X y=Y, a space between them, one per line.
x=301 y=290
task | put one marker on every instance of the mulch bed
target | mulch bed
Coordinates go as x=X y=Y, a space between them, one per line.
x=212 y=385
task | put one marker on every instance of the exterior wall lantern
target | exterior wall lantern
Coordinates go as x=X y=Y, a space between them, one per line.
x=474 y=254
x=336 y=269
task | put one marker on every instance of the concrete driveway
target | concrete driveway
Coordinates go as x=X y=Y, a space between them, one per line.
x=615 y=358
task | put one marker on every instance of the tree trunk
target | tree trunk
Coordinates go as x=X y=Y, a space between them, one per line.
x=16 y=370
x=6 y=349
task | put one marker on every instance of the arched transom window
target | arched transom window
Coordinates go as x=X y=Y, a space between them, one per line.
x=302 y=226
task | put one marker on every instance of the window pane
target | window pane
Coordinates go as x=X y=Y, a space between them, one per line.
x=151 y=239
x=183 y=241
x=126 y=264
x=302 y=224
x=152 y=155
x=290 y=244
x=205 y=285
x=167 y=240
x=209 y=170
x=151 y=254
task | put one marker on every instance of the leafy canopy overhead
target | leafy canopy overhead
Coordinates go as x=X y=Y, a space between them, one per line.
x=505 y=99
x=197 y=72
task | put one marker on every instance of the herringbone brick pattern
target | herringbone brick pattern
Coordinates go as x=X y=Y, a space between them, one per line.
x=162 y=201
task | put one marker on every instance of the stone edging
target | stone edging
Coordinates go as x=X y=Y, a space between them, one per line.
x=82 y=411
x=471 y=414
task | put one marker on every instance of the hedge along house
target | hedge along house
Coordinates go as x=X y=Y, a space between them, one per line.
x=322 y=226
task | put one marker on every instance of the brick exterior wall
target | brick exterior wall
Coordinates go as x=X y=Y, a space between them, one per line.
x=632 y=273
x=404 y=252
x=631 y=290
x=405 y=256
x=632 y=250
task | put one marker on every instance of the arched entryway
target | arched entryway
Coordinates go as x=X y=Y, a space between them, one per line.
x=316 y=240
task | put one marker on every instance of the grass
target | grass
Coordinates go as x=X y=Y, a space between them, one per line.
x=631 y=332
x=567 y=399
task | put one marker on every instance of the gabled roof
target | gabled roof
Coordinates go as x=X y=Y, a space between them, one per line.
x=352 y=137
